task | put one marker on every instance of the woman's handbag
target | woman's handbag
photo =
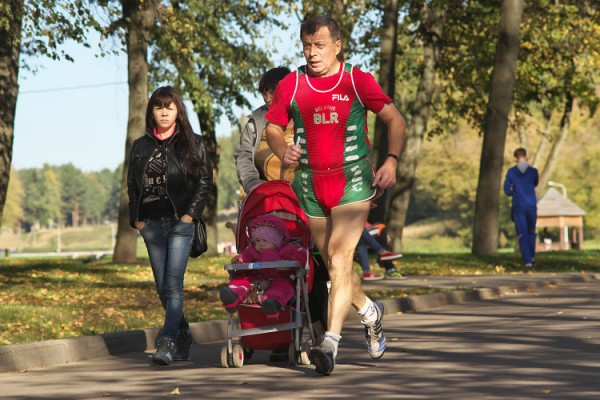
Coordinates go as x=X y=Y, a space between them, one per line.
x=199 y=245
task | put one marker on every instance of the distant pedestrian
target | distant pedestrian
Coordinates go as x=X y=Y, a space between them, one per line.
x=384 y=256
x=169 y=181
x=520 y=183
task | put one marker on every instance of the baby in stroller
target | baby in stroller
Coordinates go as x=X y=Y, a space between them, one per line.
x=271 y=288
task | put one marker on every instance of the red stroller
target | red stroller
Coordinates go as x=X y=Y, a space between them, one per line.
x=255 y=331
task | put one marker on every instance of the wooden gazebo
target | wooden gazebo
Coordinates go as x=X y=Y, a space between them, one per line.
x=555 y=210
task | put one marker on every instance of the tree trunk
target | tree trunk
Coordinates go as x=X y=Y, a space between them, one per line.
x=522 y=131
x=543 y=141
x=387 y=81
x=10 y=43
x=207 y=126
x=432 y=25
x=139 y=18
x=557 y=144
x=487 y=201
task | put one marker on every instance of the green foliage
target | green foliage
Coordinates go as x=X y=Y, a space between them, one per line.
x=579 y=167
x=559 y=54
x=72 y=187
x=42 y=200
x=228 y=181
x=447 y=179
x=13 y=210
x=48 y=24
x=466 y=60
x=65 y=194
x=209 y=51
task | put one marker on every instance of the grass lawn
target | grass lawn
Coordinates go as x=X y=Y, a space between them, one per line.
x=52 y=299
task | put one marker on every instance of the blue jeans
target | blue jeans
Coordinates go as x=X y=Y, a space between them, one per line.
x=525 y=226
x=169 y=241
x=362 y=249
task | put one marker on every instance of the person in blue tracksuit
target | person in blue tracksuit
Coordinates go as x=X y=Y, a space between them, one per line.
x=520 y=183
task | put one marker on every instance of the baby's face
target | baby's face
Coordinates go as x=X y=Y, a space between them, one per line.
x=260 y=245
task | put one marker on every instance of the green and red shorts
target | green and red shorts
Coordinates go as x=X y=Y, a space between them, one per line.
x=319 y=191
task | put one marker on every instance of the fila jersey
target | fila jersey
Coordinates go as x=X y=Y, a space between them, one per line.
x=329 y=114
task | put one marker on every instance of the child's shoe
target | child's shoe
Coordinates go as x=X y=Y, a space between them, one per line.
x=271 y=308
x=230 y=300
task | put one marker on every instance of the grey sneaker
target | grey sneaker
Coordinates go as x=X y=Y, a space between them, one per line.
x=322 y=358
x=374 y=334
x=165 y=348
x=393 y=273
x=183 y=343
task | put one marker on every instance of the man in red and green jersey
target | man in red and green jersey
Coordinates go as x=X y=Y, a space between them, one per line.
x=328 y=101
x=331 y=126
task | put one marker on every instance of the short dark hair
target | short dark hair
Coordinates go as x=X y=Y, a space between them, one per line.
x=271 y=78
x=520 y=152
x=312 y=24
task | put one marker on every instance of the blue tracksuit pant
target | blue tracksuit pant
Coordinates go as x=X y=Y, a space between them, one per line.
x=525 y=226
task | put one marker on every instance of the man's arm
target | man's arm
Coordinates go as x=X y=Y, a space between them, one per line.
x=243 y=154
x=507 y=184
x=386 y=174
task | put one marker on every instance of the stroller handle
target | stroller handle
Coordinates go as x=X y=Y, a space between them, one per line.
x=263 y=265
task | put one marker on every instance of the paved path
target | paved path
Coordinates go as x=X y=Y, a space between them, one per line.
x=540 y=343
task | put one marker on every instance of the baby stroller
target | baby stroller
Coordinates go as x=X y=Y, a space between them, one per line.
x=255 y=331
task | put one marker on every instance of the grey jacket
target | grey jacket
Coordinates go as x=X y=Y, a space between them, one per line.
x=244 y=150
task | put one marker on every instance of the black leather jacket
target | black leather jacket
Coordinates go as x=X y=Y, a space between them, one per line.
x=187 y=197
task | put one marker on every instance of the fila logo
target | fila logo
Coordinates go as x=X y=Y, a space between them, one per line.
x=340 y=97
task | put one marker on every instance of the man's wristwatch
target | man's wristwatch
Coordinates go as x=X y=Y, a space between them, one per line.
x=395 y=157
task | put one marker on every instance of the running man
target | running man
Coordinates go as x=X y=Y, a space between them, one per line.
x=328 y=100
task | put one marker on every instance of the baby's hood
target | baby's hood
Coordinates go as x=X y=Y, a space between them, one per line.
x=272 y=221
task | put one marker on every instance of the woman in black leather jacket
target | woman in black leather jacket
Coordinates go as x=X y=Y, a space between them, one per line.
x=169 y=180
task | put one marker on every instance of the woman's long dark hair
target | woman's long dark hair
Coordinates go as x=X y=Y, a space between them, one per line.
x=185 y=145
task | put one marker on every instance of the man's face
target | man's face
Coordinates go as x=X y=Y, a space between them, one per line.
x=320 y=51
x=268 y=97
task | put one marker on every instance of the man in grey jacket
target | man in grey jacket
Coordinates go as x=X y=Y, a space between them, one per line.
x=250 y=172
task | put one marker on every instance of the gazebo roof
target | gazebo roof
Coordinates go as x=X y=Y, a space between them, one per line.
x=554 y=204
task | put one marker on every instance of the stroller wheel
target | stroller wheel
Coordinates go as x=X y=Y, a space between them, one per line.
x=247 y=353
x=238 y=356
x=224 y=357
x=304 y=360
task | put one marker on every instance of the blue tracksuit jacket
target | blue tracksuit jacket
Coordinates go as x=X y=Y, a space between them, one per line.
x=521 y=186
